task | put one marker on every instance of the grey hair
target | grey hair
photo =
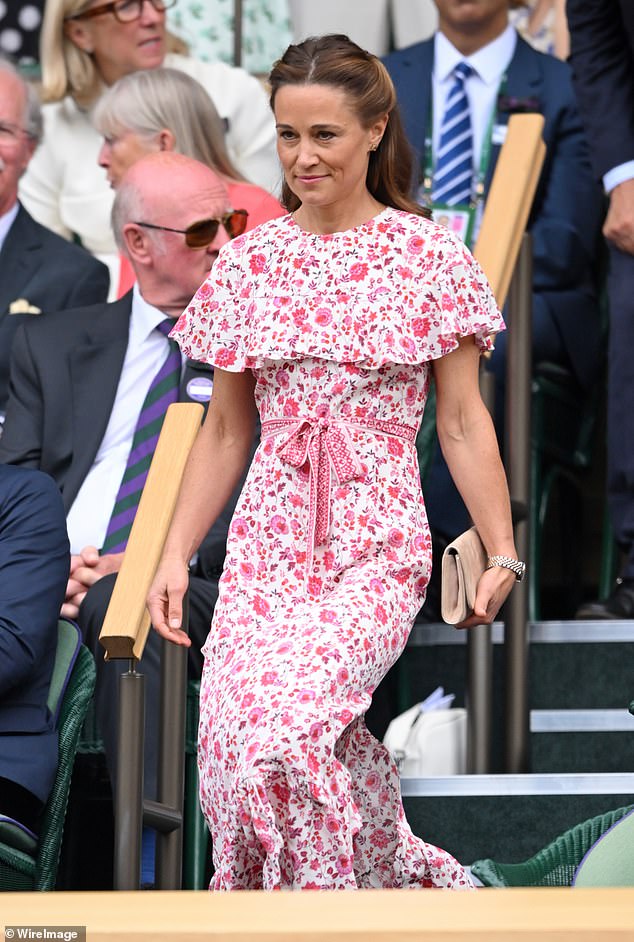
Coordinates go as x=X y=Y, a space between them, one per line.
x=148 y=101
x=32 y=118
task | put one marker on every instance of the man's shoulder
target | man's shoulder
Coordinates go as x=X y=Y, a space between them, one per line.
x=408 y=55
x=551 y=68
x=57 y=329
x=57 y=249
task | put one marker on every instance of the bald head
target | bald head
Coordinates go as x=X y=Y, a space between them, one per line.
x=164 y=185
x=158 y=199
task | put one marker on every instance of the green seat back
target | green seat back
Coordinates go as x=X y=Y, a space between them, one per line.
x=610 y=860
x=555 y=864
x=35 y=868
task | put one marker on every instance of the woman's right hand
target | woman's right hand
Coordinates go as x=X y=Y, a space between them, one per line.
x=165 y=600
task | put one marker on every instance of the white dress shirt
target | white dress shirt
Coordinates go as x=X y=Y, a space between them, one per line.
x=6 y=222
x=482 y=86
x=88 y=518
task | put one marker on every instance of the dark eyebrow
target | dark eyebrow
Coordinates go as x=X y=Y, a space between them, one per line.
x=313 y=127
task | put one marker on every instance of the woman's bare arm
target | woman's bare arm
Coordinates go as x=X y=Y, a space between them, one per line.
x=469 y=444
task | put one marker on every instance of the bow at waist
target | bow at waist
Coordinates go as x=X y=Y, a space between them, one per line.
x=325 y=445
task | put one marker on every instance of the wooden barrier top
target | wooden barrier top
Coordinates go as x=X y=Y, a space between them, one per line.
x=520 y=915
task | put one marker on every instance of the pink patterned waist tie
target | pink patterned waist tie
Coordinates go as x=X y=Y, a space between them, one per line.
x=324 y=445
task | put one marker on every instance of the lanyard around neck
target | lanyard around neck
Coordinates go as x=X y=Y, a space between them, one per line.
x=485 y=156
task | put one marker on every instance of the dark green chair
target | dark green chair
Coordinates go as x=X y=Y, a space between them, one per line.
x=563 y=441
x=27 y=862
x=554 y=865
x=196 y=839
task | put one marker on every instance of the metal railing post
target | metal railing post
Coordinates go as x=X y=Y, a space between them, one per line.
x=517 y=436
x=129 y=784
x=171 y=764
x=480 y=659
x=237 y=32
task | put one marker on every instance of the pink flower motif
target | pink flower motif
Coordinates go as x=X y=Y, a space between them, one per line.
x=315 y=585
x=329 y=616
x=239 y=527
x=415 y=244
x=372 y=781
x=260 y=605
x=380 y=837
x=247 y=570
x=204 y=291
x=358 y=271
x=224 y=357
x=344 y=864
x=342 y=675
x=395 y=447
x=255 y=715
x=269 y=677
x=377 y=586
x=396 y=537
x=306 y=695
x=323 y=316
x=316 y=732
x=257 y=263
x=279 y=524
x=332 y=824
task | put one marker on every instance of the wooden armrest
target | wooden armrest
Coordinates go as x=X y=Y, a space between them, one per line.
x=509 y=201
x=127 y=622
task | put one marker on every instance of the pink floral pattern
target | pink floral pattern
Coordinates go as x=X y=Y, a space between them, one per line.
x=316 y=605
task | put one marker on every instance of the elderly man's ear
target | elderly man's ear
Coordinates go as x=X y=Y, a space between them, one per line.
x=136 y=243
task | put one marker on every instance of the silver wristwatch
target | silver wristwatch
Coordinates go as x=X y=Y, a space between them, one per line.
x=507 y=562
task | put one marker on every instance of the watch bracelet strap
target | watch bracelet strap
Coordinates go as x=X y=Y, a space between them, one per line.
x=507 y=562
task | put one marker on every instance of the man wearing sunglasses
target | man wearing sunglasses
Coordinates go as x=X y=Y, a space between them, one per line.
x=79 y=385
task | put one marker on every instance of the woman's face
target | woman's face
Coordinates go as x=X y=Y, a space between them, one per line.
x=322 y=145
x=120 y=48
x=120 y=151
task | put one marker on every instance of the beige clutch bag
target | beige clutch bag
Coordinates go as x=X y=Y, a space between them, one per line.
x=463 y=562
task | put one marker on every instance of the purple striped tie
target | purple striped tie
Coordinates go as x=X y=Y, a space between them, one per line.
x=163 y=392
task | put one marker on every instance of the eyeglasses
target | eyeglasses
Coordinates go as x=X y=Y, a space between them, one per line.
x=203 y=233
x=124 y=10
x=10 y=133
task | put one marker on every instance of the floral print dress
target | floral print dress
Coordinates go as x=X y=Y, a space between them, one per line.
x=329 y=552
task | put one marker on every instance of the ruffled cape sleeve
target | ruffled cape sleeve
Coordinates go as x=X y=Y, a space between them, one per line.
x=418 y=291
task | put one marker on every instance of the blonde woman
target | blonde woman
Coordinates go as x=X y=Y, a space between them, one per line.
x=88 y=46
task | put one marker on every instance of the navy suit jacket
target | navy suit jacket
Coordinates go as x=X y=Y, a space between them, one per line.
x=34 y=565
x=65 y=371
x=567 y=211
x=52 y=274
x=602 y=57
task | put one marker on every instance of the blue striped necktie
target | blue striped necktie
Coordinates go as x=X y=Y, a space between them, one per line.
x=453 y=174
x=163 y=392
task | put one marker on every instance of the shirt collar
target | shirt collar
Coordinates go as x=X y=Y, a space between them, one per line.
x=6 y=221
x=490 y=62
x=144 y=318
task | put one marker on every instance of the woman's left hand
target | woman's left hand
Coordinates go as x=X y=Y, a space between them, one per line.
x=494 y=586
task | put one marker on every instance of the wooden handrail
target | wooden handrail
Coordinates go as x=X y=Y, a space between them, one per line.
x=127 y=622
x=509 y=201
x=488 y=915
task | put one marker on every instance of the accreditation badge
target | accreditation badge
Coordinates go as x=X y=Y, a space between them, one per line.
x=458 y=219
